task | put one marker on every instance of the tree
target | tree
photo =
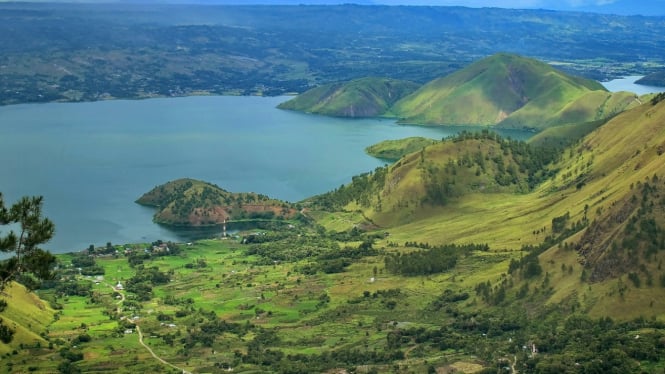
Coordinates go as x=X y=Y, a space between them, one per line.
x=29 y=263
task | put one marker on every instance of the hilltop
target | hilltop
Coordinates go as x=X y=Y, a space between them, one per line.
x=509 y=91
x=188 y=202
x=365 y=97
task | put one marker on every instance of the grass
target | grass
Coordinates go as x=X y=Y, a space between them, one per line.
x=365 y=97
x=503 y=89
x=27 y=314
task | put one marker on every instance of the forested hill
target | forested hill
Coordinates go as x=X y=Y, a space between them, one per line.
x=442 y=173
x=188 y=202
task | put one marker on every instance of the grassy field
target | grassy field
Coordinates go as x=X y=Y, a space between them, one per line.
x=313 y=313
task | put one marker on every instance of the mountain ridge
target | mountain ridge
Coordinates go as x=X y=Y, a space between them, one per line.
x=503 y=90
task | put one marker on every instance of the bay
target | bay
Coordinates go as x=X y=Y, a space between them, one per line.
x=91 y=161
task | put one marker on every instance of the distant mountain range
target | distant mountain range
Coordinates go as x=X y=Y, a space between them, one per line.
x=619 y=7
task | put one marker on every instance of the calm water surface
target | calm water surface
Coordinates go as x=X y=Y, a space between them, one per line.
x=628 y=84
x=91 y=161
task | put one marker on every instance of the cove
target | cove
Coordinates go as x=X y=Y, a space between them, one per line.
x=91 y=160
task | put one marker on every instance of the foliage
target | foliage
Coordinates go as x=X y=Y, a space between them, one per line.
x=361 y=190
x=519 y=165
x=87 y=265
x=430 y=261
x=658 y=98
x=142 y=282
x=29 y=263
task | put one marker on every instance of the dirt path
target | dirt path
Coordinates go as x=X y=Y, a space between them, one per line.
x=153 y=354
x=138 y=330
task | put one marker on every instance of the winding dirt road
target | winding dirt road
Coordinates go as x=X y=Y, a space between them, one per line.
x=138 y=330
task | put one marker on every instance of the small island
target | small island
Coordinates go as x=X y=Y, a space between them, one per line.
x=193 y=203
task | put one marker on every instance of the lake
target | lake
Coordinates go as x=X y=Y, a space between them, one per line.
x=91 y=161
x=628 y=84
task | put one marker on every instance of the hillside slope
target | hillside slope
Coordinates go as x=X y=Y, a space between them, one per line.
x=27 y=315
x=505 y=90
x=365 y=97
x=597 y=209
x=188 y=202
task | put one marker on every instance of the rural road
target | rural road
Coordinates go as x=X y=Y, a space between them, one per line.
x=138 y=330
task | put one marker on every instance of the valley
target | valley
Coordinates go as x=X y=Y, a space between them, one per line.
x=450 y=191
x=514 y=277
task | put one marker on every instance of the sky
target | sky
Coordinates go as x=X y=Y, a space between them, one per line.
x=625 y=7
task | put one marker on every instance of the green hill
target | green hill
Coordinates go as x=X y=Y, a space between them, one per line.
x=366 y=97
x=598 y=203
x=188 y=202
x=504 y=90
x=27 y=315
x=395 y=149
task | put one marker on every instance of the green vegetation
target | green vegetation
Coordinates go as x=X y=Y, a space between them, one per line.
x=394 y=149
x=27 y=263
x=504 y=90
x=570 y=279
x=534 y=257
x=507 y=91
x=97 y=51
x=188 y=202
x=365 y=97
x=442 y=173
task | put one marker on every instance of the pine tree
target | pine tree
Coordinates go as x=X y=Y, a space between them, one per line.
x=29 y=263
